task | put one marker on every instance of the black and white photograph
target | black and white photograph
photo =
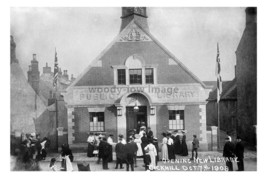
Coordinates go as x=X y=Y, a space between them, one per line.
x=133 y=88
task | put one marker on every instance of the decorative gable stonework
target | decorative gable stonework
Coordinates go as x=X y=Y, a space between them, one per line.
x=133 y=34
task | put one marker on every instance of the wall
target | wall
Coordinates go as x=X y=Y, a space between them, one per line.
x=192 y=124
x=81 y=123
x=246 y=74
x=227 y=115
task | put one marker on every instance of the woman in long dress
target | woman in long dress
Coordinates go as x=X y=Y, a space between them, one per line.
x=184 y=146
x=151 y=149
x=164 y=148
x=170 y=147
x=138 y=142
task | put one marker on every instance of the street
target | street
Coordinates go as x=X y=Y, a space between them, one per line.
x=208 y=161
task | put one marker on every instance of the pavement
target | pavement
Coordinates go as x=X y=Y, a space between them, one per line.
x=208 y=161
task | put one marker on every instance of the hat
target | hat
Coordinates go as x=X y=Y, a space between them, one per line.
x=120 y=136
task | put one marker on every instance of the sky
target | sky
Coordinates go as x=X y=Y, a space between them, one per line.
x=79 y=34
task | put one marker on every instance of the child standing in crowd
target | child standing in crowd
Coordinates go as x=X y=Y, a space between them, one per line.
x=195 y=146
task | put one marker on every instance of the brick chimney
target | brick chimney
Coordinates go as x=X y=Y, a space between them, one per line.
x=46 y=69
x=34 y=74
x=138 y=14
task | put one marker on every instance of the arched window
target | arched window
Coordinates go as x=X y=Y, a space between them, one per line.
x=134 y=72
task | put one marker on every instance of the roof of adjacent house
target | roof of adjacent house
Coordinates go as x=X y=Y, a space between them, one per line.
x=229 y=91
x=26 y=105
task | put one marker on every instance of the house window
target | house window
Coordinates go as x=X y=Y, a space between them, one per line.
x=176 y=119
x=149 y=76
x=135 y=76
x=96 y=121
x=121 y=77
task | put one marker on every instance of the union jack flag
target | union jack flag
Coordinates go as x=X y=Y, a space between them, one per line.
x=218 y=75
x=55 y=71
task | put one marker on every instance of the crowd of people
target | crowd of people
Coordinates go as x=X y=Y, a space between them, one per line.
x=139 y=144
x=29 y=152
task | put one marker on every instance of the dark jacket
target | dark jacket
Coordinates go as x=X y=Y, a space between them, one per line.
x=228 y=150
x=195 y=143
x=239 y=150
x=131 y=148
x=120 y=150
x=104 y=149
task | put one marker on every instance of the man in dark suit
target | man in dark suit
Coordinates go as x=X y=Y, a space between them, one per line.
x=131 y=149
x=228 y=153
x=120 y=152
x=239 y=152
x=104 y=152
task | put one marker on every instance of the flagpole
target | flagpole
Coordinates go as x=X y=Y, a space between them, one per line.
x=219 y=91
x=56 y=105
x=219 y=129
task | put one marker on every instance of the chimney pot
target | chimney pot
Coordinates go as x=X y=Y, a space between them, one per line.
x=34 y=57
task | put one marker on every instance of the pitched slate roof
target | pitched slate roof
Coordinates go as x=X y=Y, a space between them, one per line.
x=228 y=87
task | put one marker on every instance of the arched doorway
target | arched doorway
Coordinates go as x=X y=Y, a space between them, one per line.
x=137 y=112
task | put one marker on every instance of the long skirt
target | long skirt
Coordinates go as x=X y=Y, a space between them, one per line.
x=164 y=151
x=153 y=160
x=139 y=151
x=90 y=150
x=171 y=152
x=184 y=149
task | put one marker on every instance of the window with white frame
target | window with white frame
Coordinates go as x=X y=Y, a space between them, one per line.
x=96 y=121
x=135 y=76
x=121 y=77
x=149 y=75
x=176 y=119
